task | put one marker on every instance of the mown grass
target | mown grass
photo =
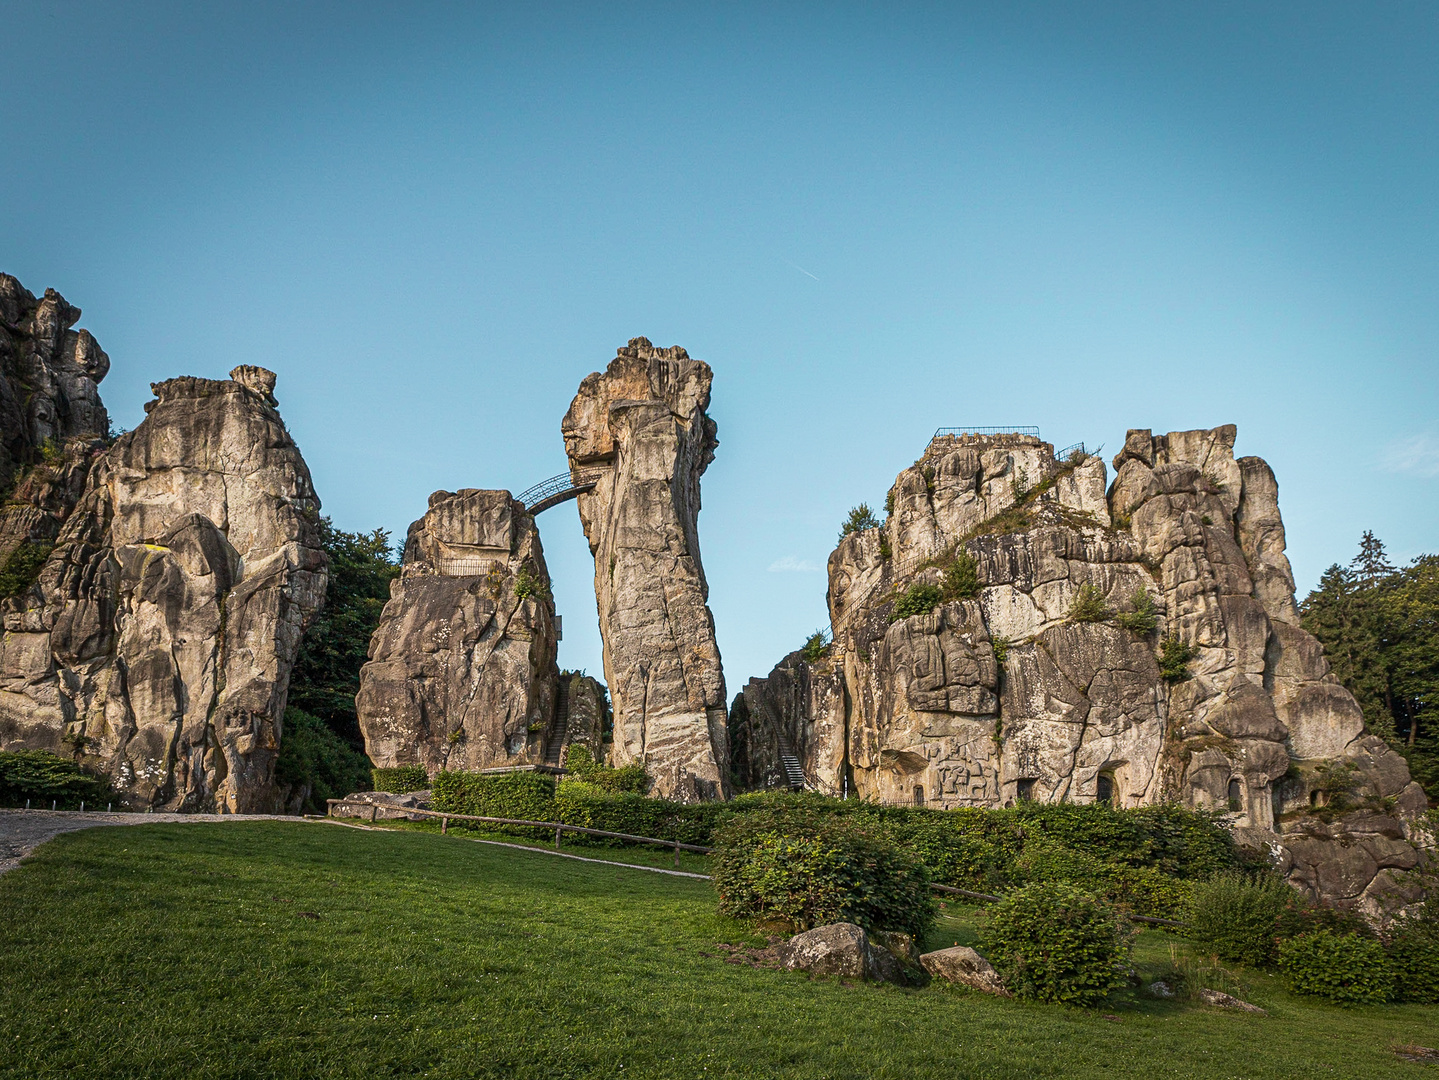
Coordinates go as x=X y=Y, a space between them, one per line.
x=164 y=951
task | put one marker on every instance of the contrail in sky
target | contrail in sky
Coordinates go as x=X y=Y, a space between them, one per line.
x=801 y=269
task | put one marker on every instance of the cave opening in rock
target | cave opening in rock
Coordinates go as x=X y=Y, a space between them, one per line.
x=1104 y=788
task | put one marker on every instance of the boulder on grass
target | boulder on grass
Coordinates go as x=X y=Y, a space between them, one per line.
x=386 y=805
x=962 y=964
x=841 y=949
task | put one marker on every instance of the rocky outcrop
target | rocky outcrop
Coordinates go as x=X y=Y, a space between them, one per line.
x=52 y=422
x=842 y=949
x=158 y=641
x=798 y=709
x=1137 y=645
x=587 y=713
x=641 y=429
x=462 y=671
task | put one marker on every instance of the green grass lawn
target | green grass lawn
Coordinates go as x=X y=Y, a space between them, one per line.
x=186 y=951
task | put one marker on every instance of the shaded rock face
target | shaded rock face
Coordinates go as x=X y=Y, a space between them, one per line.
x=1079 y=710
x=587 y=710
x=52 y=422
x=158 y=642
x=462 y=672
x=798 y=708
x=641 y=425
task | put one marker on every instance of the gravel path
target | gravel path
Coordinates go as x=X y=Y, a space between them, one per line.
x=22 y=831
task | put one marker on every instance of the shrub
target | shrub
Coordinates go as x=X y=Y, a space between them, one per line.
x=22 y=568
x=1001 y=646
x=815 y=646
x=1143 y=619
x=916 y=600
x=582 y=765
x=400 y=779
x=1174 y=657
x=860 y=518
x=961 y=577
x=1088 y=605
x=1236 y=918
x=1413 y=950
x=528 y=583
x=1340 y=967
x=814 y=870
x=1054 y=942
x=526 y=796
x=314 y=756
x=44 y=777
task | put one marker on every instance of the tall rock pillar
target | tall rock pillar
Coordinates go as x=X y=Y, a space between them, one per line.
x=641 y=432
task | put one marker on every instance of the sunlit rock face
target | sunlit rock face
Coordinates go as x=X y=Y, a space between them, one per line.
x=1012 y=692
x=158 y=642
x=641 y=426
x=462 y=672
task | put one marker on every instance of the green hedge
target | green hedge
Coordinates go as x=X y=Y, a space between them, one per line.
x=810 y=870
x=43 y=778
x=1341 y=967
x=400 y=778
x=1051 y=941
x=1413 y=949
x=524 y=795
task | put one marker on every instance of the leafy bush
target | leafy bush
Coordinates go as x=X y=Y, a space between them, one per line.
x=1143 y=619
x=1236 y=917
x=1001 y=646
x=44 y=778
x=1413 y=950
x=314 y=756
x=1054 y=942
x=526 y=796
x=860 y=518
x=581 y=763
x=22 y=568
x=815 y=646
x=1088 y=605
x=400 y=779
x=811 y=871
x=916 y=600
x=1340 y=967
x=528 y=583
x=961 y=577
x=1174 y=657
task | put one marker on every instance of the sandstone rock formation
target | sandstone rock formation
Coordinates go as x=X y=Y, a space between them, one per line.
x=52 y=422
x=462 y=670
x=1027 y=683
x=641 y=427
x=159 y=639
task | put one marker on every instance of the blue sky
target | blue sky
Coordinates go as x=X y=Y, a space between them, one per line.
x=434 y=221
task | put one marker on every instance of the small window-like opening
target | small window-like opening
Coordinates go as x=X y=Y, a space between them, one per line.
x=1104 y=788
x=1024 y=789
x=919 y=796
x=1236 y=797
x=1316 y=798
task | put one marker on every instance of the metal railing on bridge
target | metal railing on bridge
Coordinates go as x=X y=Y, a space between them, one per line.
x=558 y=489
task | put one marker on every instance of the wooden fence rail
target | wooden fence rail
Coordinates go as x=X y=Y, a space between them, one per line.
x=558 y=826
x=561 y=827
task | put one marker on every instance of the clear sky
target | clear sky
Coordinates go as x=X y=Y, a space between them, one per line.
x=433 y=221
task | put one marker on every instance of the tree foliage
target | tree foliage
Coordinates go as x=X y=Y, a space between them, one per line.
x=860 y=518
x=327 y=671
x=1379 y=626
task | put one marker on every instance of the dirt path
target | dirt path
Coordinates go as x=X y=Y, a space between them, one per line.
x=22 y=831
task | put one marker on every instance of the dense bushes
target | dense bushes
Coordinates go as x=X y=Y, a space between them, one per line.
x=43 y=778
x=809 y=870
x=314 y=757
x=582 y=765
x=400 y=779
x=916 y=600
x=1237 y=918
x=1413 y=951
x=1341 y=967
x=522 y=795
x=1057 y=943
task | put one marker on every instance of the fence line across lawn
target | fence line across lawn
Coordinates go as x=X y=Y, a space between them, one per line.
x=561 y=827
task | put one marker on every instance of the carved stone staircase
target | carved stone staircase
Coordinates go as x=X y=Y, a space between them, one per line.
x=793 y=771
x=555 y=747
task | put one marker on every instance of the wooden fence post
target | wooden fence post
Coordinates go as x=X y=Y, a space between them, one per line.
x=557 y=838
x=444 y=825
x=374 y=809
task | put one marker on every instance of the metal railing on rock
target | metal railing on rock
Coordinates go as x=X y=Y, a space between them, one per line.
x=1017 y=429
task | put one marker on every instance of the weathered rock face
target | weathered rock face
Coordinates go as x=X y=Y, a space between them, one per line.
x=642 y=427
x=1007 y=693
x=798 y=709
x=586 y=716
x=52 y=422
x=462 y=671
x=159 y=639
